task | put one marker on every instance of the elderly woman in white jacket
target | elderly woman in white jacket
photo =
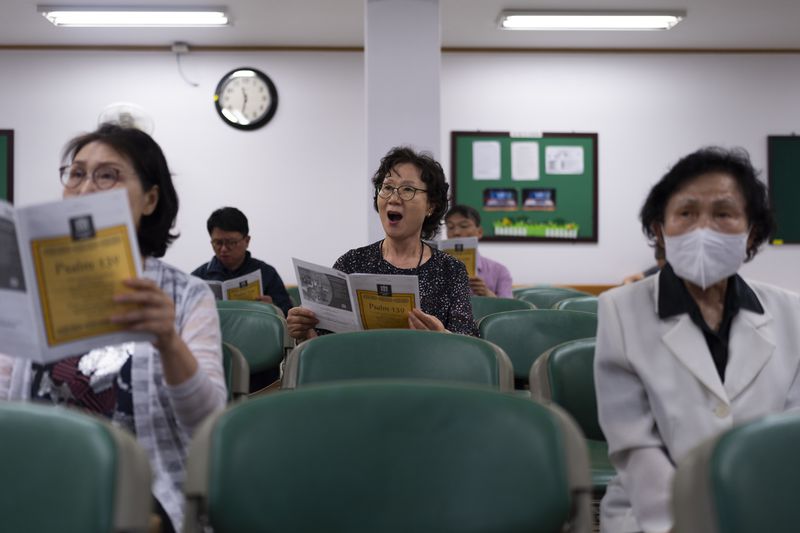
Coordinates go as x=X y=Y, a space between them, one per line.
x=695 y=349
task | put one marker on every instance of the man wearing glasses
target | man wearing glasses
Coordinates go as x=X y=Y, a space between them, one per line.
x=230 y=237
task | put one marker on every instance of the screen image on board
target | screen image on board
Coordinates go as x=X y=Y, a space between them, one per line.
x=528 y=188
x=500 y=200
x=539 y=199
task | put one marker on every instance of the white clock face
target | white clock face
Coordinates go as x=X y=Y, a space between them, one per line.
x=245 y=98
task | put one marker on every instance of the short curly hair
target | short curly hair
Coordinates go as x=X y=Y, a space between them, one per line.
x=432 y=176
x=148 y=161
x=735 y=163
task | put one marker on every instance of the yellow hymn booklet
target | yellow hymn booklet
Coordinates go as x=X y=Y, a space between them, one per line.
x=66 y=260
x=247 y=287
x=352 y=302
x=465 y=249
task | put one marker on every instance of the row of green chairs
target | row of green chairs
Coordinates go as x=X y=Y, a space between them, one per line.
x=375 y=456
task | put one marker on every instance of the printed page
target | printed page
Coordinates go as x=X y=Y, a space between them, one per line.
x=465 y=249
x=326 y=292
x=216 y=288
x=81 y=249
x=384 y=301
x=247 y=287
x=17 y=324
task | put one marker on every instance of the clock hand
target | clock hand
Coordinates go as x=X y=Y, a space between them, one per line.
x=244 y=93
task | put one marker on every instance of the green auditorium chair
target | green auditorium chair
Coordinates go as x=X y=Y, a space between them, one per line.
x=237 y=372
x=564 y=375
x=525 y=335
x=744 y=480
x=398 y=354
x=294 y=294
x=261 y=336
x=578 y=303
x=547 y=297
x=363 y=457
x=485 y=305
x=66 y=471
x=250 y=304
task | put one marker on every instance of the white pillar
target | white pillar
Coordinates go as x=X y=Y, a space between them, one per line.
x=402 y=66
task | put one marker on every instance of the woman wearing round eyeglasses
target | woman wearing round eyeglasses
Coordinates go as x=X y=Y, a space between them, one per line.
x=159 y=391
x=411 y=198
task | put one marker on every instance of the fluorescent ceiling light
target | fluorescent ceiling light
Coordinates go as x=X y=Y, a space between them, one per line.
x=588 y=20
x=103 y=16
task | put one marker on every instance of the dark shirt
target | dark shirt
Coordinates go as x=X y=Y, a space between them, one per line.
x=674 y=299
x=273 y=285
x=443 y=283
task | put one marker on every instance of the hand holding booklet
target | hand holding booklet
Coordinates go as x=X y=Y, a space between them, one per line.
x=352 y=302
x=62 y=264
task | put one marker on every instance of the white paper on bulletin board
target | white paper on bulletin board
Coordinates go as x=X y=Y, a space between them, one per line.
x=486 y=160
x=564 y=159
x=524 y=161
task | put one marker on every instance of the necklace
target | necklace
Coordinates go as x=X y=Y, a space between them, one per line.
x=421 y=252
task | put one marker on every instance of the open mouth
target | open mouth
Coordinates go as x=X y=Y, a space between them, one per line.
x=394 y=217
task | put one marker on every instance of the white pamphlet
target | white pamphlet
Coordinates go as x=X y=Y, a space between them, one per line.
x=352 y=302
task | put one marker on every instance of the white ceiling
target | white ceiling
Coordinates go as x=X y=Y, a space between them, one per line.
x=710 y=24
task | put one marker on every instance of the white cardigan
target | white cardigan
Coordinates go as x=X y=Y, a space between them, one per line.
x=659 y=393
x=164 y=416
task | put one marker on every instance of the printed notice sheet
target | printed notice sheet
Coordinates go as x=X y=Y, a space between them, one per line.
x=67 y=260
x=247 y=287
x=465 y=249
x=354 y=302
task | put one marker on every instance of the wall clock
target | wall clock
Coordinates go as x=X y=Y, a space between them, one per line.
x=246 y=98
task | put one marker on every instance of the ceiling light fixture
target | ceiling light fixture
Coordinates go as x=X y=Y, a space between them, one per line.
x=588 y=20
x=117 y=17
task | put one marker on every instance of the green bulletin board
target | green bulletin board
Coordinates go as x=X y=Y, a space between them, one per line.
x=783 y=164
x=7 y=165
x=528 y=188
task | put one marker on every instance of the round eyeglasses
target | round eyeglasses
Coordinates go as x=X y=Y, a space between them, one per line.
x=217 y=244
x=405 y=192
x=104 y=177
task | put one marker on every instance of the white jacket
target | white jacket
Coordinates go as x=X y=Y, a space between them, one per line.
x=659 y=393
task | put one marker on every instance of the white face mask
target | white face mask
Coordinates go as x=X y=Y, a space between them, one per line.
x=704 y=256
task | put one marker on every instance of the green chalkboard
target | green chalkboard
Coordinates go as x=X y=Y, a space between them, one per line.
x=783 y=169
x=7 y=165
x=528 y=188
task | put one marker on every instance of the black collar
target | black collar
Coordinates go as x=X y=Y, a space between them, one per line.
x=674 y=298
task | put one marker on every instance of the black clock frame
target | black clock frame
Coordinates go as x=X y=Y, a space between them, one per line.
x=273 y=93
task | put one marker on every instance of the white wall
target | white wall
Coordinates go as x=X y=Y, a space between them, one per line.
x=300 y=178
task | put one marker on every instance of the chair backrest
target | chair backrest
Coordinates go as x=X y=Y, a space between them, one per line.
x=525 y=335
x=398 y=354
x=261 y=336
x=742 y=480
x=485 y=305
x=250 y=304
x=389 y=457
x=294 y=294
x=547 y=297
x=565 y=375
x=69 y=472
x=578 y=303
x=237 y=372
